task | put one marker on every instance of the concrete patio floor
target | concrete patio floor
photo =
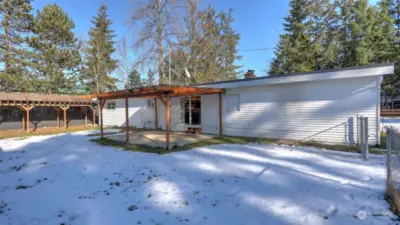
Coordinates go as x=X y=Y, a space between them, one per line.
x=157 y=138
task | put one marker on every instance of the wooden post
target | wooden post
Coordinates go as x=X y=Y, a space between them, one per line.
x=27 y=109
x=156 y=113
x=27 y=119
x=23 y=119
x=65 y=118
x=167 y=121
x=94 y=116
x=102 y=102
x=58 y=118
x=220 y=114
x=86 y=117
x=127 y=119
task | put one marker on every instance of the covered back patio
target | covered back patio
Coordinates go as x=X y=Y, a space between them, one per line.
x=162 y=93
x=61 y=103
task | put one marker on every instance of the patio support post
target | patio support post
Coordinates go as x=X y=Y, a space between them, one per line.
x=102 y=102
x=86 y=117
x=65 y=115
x=27 y=120
x=127 y=119
x=220 y=114
x=155 y=113
x=27 y=109
x=167 y=121
x=23 y=118
x=58 y=117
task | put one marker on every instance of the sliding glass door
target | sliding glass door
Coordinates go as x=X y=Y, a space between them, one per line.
x=191 y=110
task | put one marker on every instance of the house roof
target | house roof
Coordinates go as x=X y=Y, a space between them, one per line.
x=157 y=91
x=351 y=72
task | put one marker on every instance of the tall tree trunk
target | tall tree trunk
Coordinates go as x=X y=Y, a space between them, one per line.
x=160 y=39
x=7 y=48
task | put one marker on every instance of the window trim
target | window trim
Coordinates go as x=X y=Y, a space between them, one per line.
x=111 y=105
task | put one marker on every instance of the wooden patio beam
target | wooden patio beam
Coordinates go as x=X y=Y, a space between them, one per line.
x=167 y=121
x=162 y=100
x=155 y=113
x=86 y=117
x=102 y=102
x=127 y=119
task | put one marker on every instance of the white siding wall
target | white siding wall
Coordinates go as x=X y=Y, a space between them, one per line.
x=324 y=111
x=176 y=112
x=139 y=113
x=209 y=114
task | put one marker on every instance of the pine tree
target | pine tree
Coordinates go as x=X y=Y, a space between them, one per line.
x=56 y=56
x=279 y=64
x=300 y=52
x=295 y=51
x=15 y=23
x=324 y=33
x=134 y=80
x=150 y=78
x=98 y=60
x=384 y=44
x=358 y=20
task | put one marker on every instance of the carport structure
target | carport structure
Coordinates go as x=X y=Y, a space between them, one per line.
x=27 y=101
x=164 y=94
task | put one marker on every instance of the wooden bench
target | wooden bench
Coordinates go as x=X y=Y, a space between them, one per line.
x=193 y=130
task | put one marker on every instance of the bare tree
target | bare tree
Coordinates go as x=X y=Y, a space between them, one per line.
x=158 y=21
x=126 y=63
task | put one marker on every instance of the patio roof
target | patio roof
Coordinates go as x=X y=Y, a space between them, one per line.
x=27 y=101
x=157 y=92
x=164 y=94
x=17 y=99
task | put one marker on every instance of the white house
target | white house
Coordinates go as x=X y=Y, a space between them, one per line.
x=321 y=106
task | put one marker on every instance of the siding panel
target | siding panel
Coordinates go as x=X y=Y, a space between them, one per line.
x=324 y=111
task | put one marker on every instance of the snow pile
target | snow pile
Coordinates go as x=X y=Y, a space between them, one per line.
x=66 y=179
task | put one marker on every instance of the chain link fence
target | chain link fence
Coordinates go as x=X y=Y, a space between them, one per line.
x=393 y=166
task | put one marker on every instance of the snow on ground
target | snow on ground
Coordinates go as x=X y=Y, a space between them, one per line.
x=66 y=179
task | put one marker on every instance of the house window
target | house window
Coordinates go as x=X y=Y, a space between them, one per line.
x=233 y=103
x=111 y=105
x=191 y=112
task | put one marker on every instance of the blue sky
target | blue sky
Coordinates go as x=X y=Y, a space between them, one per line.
x=259 y=23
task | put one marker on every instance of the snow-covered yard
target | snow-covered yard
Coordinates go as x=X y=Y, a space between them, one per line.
x=66 y=179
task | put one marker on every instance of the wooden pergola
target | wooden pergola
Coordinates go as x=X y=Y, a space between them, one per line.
x=164 y=94
x=27 y=101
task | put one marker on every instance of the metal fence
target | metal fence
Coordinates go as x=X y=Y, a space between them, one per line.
x=363 y=136
x=393 y=165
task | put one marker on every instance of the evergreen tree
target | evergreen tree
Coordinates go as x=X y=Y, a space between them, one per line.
x=56 y=56
x=358 y=22
x=134 y=80
x=150 y=78
x=15 y=23
x=297 y=27
x=279 y=64
x=324 y=33
x=385 y=47
x=98 y=60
